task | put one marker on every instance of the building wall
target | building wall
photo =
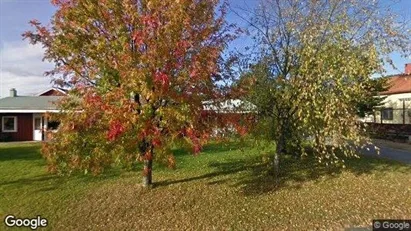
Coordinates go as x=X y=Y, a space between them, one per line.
x=395 y=101
x=24 y=127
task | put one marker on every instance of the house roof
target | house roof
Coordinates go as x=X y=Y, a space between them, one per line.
x=53 y=91
x=29 y=104
x=399 y=84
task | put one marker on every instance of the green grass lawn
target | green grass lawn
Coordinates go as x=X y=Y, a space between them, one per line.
x=224 y=188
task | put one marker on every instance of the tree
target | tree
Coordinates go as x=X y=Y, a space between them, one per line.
x=138 y=72
x=371 y=98
x=313 y=62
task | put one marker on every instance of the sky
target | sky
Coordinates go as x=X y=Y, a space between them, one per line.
x=21 y=65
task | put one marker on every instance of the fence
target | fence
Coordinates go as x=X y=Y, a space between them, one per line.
x=395 y=132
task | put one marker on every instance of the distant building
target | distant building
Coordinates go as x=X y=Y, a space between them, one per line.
x=22 y=117
x=397 y=106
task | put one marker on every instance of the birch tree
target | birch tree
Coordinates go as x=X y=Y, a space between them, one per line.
x=313 y=64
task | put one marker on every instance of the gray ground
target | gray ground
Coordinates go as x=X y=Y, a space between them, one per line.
x=389 y=153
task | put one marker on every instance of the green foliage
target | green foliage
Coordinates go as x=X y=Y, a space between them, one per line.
x=371 y=96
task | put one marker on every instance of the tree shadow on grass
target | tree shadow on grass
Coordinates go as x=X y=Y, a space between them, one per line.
x=295 y=172
x=210 y=175
x=50 y=182
x=39 y=179
x=255 y=179
x=258 y=179
x=19 y=153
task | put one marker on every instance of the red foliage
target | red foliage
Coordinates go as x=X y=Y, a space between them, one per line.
x=93 y=99
x=193 y=73
x=116 y=129
x=191 y=134
x=197 y=148
x=59 y=2
x=150 y=21
x=138 y=38
x=241 y=130
x=156 y=142
x=162 y=79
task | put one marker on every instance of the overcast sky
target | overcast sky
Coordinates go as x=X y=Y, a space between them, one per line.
x=21 y=64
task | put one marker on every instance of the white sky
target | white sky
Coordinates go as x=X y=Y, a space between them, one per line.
x=21 y=68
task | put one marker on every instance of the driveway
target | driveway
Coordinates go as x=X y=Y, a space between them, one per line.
x=389 y=153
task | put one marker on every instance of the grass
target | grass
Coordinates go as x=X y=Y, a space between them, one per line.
x=224 y=188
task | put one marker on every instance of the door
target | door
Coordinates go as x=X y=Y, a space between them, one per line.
x=38 y=127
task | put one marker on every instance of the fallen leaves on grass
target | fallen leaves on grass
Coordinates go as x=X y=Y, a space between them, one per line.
x=220 y=189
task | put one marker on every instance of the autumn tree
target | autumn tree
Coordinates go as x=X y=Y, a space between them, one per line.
x=313 y=63
x=138 y=72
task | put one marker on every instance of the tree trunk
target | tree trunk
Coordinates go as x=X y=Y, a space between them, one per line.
x=148 y=173
x=148 y=165
x=276 y=159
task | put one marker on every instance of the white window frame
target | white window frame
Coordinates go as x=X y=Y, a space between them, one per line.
x=15 y=123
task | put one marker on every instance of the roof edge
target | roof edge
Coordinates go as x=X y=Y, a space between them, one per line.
x=51 y=88
x=27 y=111
x=394 y=92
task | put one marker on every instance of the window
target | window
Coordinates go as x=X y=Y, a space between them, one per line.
x=37 y=123
x=9 y=124
x=387 y=114
x=53 y=125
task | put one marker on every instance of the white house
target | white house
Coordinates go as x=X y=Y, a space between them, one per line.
x=397 y=105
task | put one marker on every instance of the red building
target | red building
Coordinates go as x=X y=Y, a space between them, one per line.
x=22 y=117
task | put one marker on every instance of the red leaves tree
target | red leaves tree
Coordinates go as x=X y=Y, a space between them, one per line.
x=138 y=72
